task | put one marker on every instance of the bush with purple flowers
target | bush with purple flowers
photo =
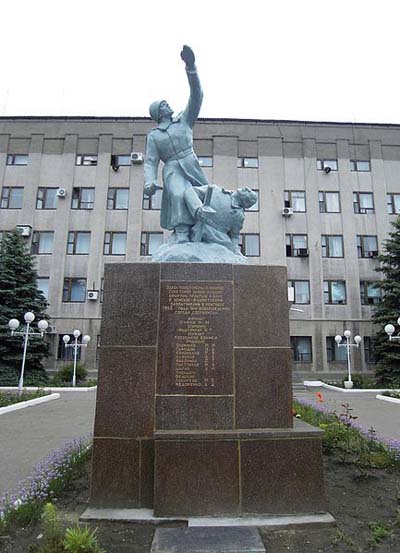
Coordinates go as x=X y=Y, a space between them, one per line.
x=347 y=437
x=48 y=479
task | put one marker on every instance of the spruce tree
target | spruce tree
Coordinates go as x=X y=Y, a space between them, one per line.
x=19 y=293
x=387 y=354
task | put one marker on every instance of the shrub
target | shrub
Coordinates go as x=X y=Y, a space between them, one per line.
x=361 y=381
x=66 y=373
x=81 y=540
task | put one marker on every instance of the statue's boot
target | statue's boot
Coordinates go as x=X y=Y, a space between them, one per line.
x=182 y=234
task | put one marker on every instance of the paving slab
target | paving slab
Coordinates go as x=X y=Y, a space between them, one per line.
x=207 y=540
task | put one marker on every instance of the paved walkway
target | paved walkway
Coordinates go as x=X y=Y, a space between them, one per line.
x=382 y=416
x=28 y=435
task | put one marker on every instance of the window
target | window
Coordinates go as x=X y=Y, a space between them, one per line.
x=296 y=199
x=152 y=202
x=362 y=166
x=367 y=246
x=46 y=198
x=301 y=290
x=254 y=207
x=363 y=202
x=74 y=290
x=86 y=159
x=17 y=159
x=120 y=161
x=250 y=245
x=323 y=164
x=117 y=198
x=333 y=351
x=247 y=162
x=42 y=242
x=78 y=242
x=332 y=245
x=150 y=242
x=67 y=353
x=205 y=161
x=11 y=197
x=114 y=243
x=296 y=245
x=302 y=348
x=369 y=353
x=369 y=293
x=43 y=285
x=82 y=198
x=334 y=292
x=393 y=203
x=329 y=202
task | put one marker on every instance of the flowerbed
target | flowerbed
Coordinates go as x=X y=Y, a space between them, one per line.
x=353 y=442
x=49 y=478
x=392 y=393
x=9 y=398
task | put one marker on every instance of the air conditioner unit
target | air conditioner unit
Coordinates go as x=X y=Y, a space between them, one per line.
x=373 y=254
x=61 y=192
x=287 y=211
x=302 y=252
x=25 y=230
x=93 y=295
x=136 y=157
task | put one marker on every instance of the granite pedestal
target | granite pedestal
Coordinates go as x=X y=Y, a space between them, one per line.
x=194 y=401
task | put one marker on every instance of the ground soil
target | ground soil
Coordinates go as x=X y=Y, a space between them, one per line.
x=353 y=501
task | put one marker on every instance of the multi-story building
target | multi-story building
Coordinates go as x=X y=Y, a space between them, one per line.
x=327 y=193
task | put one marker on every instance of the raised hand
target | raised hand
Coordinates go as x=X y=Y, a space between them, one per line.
x=188 y=56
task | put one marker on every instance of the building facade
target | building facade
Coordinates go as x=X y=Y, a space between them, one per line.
x=327 y=193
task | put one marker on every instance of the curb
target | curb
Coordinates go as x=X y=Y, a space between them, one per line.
x=49 y=388
x=311 y=384
x=23 y=404
x=387 y=398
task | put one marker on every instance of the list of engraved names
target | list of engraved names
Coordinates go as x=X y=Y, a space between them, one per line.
x=196 y=321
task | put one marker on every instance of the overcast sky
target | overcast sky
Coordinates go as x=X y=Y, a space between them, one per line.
x=284 y=59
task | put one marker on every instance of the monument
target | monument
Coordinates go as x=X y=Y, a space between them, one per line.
x=194 y=402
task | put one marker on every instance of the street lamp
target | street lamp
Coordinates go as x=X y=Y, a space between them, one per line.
x=389 y=329
x=13 y=324
x=75 y=345
x=357 y=339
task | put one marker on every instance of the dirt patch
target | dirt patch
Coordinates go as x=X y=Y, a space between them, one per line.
x=353 y=501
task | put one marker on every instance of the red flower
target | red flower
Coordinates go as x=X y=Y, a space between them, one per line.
x=320 y=397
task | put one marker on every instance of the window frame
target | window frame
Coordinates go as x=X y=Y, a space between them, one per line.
x=206 y=161
x=113 y=192
x=293 y=346
x=328 y=247
x=364 y=297
x=294 y=252
x=362 y=252
x=11 y=160
x=5 y=198
x=323 y=203
x=242 y=160
x=354 y=165
x=322 y=164
x=79 y=200
x=288 y=200
x=242 y=243
x=116 y=161
x=67 y=354
x=392 y=203
x=292 y=284
x=36 y=238
x=148 y=201
x=109 y=237
x=334 y=349
x=358 y=210
x=145 y=242
x=82 y=159
x=330 y=283
x=44 y=190
x=74 y=241
x=69 y=281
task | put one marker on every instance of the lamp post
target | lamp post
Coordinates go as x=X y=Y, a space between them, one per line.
x=27 y=333
x=389 y=329
x=75 y=345
x=357 y=339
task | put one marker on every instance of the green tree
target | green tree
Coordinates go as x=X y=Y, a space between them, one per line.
x=387 y=353
x=19 y=293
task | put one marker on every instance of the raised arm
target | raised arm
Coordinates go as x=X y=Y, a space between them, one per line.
x=196 y=94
